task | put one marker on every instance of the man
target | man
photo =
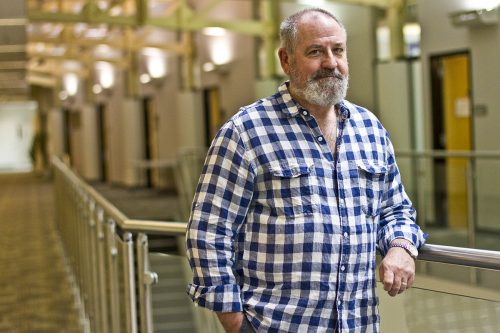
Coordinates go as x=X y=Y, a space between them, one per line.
x=297 y=192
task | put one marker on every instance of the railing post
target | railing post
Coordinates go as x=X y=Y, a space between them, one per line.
x=112 y=253
x=87 y=258
x=146 y=279
x=129 y=275
x=421 y=186
x=94 y=264
x=103 y=293
x=471 y=225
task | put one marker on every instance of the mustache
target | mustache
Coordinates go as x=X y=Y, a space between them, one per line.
x=324 y=73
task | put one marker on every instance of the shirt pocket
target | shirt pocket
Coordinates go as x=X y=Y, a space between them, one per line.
x=291 y=189
x=371 y=179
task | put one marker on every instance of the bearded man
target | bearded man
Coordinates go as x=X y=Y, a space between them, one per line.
x=297 y=193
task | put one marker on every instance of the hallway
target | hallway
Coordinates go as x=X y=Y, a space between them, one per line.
x=35 y=291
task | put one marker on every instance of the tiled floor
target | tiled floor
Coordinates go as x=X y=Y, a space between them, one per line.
x=35 y=292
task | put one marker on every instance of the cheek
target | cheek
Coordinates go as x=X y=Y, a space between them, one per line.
x=343 y=67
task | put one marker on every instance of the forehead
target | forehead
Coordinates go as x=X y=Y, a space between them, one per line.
x=316 y=27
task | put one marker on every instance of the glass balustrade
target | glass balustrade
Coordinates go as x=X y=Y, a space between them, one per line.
x=456 y=195
x=438 y=303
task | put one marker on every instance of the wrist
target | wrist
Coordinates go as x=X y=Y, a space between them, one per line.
x=406 y=245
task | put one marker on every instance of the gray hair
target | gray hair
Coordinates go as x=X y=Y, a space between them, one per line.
x=288 y=27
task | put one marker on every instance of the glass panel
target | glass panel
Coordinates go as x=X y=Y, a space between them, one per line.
x=441 y=304
x=487 y=198
x=446 y=298
x=456 y=200
x=173 y=311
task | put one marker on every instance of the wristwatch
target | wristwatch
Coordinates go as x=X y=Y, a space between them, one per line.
x=410 y=248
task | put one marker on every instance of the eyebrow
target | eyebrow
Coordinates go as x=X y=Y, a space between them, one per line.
x=320 y=46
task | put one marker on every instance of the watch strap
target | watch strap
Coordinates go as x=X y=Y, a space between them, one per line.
x=410 y=248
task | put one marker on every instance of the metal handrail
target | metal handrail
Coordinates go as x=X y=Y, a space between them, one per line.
x=450 y=153
x=460 y=256
x=429 y=252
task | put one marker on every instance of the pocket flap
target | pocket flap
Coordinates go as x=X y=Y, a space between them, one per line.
x=372 y=166
x=290 y=170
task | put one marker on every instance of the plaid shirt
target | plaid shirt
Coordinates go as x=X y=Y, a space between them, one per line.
x=287 y=232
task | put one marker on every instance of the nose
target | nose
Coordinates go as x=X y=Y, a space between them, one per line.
x=329 y=60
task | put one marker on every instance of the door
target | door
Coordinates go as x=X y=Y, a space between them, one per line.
x=451 y=91
x=102 y=143
x=213 y=113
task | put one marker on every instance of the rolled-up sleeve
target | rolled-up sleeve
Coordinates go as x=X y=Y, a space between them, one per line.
x=219 y=209
x=397 y=217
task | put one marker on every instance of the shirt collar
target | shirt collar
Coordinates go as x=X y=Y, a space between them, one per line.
x=292 y=108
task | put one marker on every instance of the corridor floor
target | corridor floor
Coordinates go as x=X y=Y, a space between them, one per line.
x=35 y=291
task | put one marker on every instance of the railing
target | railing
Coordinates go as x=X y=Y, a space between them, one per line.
x=128 y=287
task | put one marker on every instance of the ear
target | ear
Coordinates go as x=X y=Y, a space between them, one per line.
x=284 y=60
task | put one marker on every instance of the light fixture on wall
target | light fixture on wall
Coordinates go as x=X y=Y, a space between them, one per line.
x=70 y=84
x=220 y=50
x=70 y=80
x=475 y=18
x=411 y=36
x=155 y=66
x=105 y=77
x=221 y=69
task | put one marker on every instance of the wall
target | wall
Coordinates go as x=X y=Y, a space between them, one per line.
x=55 y=138
x=90 y=160
x=439 y=36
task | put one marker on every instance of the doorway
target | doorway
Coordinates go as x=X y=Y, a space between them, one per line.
x=213 y=113
x=452 y=131
x=102 y=143
x=18 y=137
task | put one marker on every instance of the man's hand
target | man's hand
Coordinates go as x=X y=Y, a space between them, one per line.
x=231 y=321
x=397 y=271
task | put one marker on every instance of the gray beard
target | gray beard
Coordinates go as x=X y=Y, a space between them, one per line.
x=325 y=92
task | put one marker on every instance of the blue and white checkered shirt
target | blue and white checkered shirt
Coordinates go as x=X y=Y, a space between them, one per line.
x=285 y=231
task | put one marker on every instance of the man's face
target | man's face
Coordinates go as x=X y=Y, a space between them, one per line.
x=317 y=67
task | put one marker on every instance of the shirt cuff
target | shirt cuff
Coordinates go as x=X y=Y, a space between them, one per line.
x=416 y=236
x=222 y=298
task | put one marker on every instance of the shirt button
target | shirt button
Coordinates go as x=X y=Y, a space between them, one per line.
x=339 y=303
x=346 y=234
x=342 y=268
x=320 y=139
x=305 y=113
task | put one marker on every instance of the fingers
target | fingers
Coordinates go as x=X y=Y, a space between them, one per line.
x=397 y=286
x=396 y=281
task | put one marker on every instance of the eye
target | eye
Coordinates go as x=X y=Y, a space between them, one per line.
x=314 y=52
x=338 y=50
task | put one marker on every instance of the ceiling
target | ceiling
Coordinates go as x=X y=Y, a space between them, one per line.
x=13 y=57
